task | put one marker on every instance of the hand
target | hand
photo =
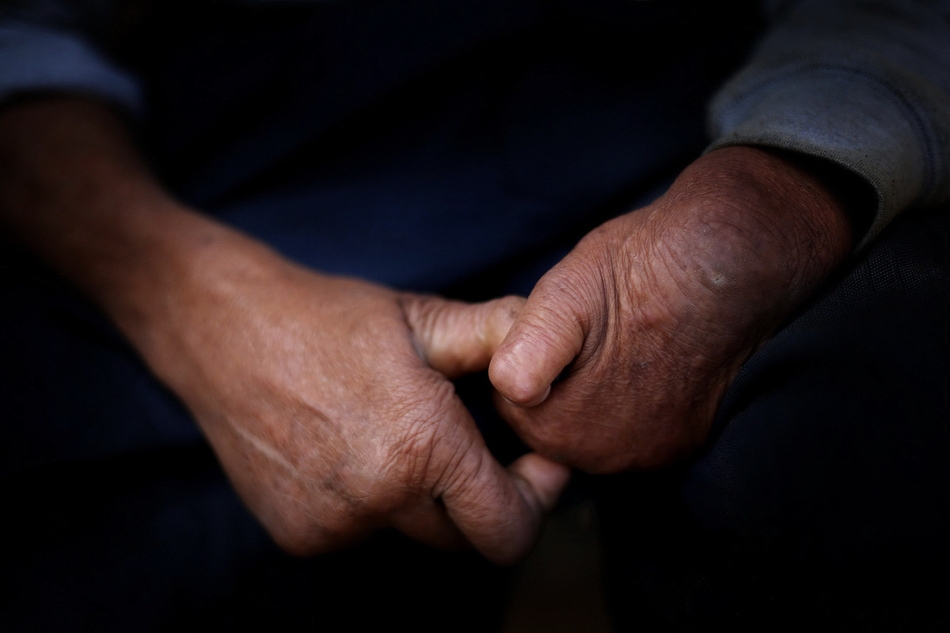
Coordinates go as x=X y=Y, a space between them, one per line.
x=328 y=403
x=652 y=314
x=326 y=400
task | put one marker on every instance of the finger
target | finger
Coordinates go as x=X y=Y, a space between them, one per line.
x=500 y=510
x=457 y=338
x=547 y=335
x=540 y=480
x=428 y=522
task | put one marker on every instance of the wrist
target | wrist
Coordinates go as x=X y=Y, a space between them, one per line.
x=177 y=268
x=749 y=235
x=854 y=197
x=74 y=190
x=798 y=205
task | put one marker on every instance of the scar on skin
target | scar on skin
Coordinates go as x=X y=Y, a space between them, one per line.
x=265 y=449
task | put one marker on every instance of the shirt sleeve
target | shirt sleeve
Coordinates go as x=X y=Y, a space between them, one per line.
x=52 y=45
x=864 y=84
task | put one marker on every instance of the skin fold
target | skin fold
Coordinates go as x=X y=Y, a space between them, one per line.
x=327 y=400
x=650 y=317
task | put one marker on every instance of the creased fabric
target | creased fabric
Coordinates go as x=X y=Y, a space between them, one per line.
x=865 y=84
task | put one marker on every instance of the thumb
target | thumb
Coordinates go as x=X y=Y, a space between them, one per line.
x=545 y=338
x=457 y=338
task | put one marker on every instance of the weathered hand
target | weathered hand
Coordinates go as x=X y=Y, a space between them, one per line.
x=325 y=399
x=328 y=404
x=653 y=313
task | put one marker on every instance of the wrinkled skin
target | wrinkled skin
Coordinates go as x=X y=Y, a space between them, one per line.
x=652 y=314
x=329 y=404
x=327 y=400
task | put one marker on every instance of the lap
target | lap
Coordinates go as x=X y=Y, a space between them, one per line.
x=817 y=494
x=117 y=516
x=825 y=493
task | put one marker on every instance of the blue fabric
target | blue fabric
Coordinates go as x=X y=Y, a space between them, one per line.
x=824 y=495
x=466 y=165
x=439 y=147
x=455 y=136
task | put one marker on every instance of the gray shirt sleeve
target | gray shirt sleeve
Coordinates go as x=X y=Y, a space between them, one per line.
x=865 y=84
x=55 y=45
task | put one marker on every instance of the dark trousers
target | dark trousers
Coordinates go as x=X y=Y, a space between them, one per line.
x=825 y=494
x=462 y=148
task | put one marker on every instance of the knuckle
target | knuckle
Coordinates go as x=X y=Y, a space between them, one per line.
x=508 y=307
x=420 y=310
x=577 y=282
x=416 y=426
x=504 y=312
x=332 y=516
x=458 y=478
x=320 y=510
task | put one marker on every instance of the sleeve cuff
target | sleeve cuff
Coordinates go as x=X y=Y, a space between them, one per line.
x=846 y=115
x=40 y=59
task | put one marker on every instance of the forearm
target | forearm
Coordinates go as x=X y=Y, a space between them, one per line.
x=329 y=426
x=74 y=189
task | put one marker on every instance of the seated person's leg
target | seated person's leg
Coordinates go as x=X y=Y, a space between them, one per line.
x=117 y=499
x=119 y=518
x=825 y=495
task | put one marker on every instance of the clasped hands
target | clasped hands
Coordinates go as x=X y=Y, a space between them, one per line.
x=329 y=400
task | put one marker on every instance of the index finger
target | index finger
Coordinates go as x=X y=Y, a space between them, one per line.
x=500 y=511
